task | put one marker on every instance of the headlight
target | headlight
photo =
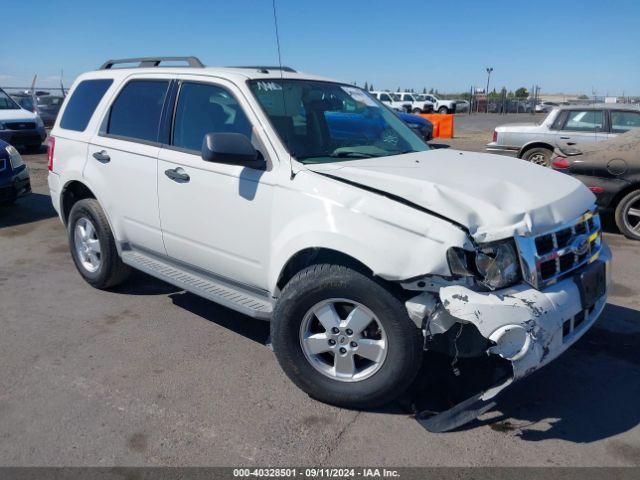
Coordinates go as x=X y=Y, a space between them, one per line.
x=495 y=264
x=14 y=157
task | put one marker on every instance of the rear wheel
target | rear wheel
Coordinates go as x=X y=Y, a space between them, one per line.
x=93 y=246
x=345 y=339
x=443 y=110
x=539 y=156
x=628 y=215
x=416 y=110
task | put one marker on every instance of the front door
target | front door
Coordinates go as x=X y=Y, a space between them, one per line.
x=214 y=217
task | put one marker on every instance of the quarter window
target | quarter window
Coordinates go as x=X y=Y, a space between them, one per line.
x=622 y=122
x=136 y=112
x=82 y=104
x=204 y=108
x=584 y=121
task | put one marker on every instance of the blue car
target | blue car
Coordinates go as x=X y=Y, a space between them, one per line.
x=422 y=126
x=14 y=176
x=349 y=125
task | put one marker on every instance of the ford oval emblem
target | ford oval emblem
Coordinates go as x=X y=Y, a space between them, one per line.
x=580 y=245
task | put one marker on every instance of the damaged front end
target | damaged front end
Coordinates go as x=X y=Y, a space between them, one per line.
x=512 y=331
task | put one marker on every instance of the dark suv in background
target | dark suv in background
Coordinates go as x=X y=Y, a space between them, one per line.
x=14 y=176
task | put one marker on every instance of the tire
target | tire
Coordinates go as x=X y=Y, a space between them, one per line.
x=443 y=110
x=403 y=342
x=627 y=215
x=539 y=156
x=416 y=111
x=99 y=242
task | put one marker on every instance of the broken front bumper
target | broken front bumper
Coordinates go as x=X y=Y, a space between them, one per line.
x=529 y=327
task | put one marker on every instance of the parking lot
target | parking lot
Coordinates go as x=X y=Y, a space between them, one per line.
x=149 y=375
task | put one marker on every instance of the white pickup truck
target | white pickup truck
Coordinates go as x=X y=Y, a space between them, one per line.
x=394 y=100
x=439 y=105
x=300 y=200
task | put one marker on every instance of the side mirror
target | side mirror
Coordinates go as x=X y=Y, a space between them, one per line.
x=232 y=149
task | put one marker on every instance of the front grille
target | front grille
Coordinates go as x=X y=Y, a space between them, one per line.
x=550 y=256
x=20 y=125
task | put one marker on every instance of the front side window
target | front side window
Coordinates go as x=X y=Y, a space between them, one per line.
x=584 y=121
x=408 y=98
x=7 y=103
x=136 y=112
x=202 y=109
x=324 y=122
x=622 y=122
x=384 y=97
x=82 y=104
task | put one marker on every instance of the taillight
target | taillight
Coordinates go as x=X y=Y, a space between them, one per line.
x=495 y=135
x=561 y=163
x=51 y=144
x=596 y=190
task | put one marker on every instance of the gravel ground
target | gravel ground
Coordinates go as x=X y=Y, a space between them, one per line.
x=149 y=375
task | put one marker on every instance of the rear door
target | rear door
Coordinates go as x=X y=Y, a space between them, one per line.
x=581 y=127
x=122 y=160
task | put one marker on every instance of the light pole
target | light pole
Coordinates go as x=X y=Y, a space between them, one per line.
x=489 y=70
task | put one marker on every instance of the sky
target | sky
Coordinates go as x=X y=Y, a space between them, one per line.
x=567 y=46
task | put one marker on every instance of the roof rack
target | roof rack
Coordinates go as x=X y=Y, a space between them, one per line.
x=264 y=69
x=144 y=62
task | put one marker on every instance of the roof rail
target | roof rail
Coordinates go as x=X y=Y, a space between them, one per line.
x=264 y=69
x=144 y=62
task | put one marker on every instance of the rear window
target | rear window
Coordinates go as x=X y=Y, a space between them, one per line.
x=136 y=112
x=83 y=103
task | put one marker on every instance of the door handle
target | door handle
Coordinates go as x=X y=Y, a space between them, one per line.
x=102 y=156
x=177 y=175
x=565 y=138
x=571 y=143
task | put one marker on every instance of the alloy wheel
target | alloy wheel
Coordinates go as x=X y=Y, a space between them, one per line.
x=343 y=340
x=632 y=215
x=87 y=245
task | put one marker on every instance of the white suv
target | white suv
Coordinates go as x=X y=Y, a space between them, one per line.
x=300 y=200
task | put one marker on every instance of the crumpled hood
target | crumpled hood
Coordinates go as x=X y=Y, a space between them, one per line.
x=493 y=196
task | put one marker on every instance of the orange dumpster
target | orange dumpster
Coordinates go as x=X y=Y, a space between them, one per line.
x=442 y=124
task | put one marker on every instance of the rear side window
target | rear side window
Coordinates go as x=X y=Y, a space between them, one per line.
x=136 y=112
x=83 y=103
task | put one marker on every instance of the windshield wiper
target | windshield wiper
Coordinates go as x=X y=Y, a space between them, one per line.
x=352 y=155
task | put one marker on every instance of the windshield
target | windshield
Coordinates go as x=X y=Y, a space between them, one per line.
x=324 y=122
x=419 y=98
x=7 y=103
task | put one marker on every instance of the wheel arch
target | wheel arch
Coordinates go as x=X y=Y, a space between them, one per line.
x=71 y=193
x=623 y=193
x=537 y=144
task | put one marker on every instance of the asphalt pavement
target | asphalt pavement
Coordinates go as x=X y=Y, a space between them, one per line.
x=147 y=374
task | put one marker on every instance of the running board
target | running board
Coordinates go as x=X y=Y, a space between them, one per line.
x=233 y=297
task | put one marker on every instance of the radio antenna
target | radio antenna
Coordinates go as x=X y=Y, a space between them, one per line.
x=284 y=107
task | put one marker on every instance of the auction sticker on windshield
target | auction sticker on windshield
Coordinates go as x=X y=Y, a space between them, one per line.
x=359 y=96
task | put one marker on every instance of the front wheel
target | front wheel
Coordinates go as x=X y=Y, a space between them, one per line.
x=443 y=110
x=344 y=338
x=416 y=111
x=628 y=215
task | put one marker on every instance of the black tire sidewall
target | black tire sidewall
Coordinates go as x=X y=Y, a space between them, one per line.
x=87 y=208
x=621 y=212
x=404 y=345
